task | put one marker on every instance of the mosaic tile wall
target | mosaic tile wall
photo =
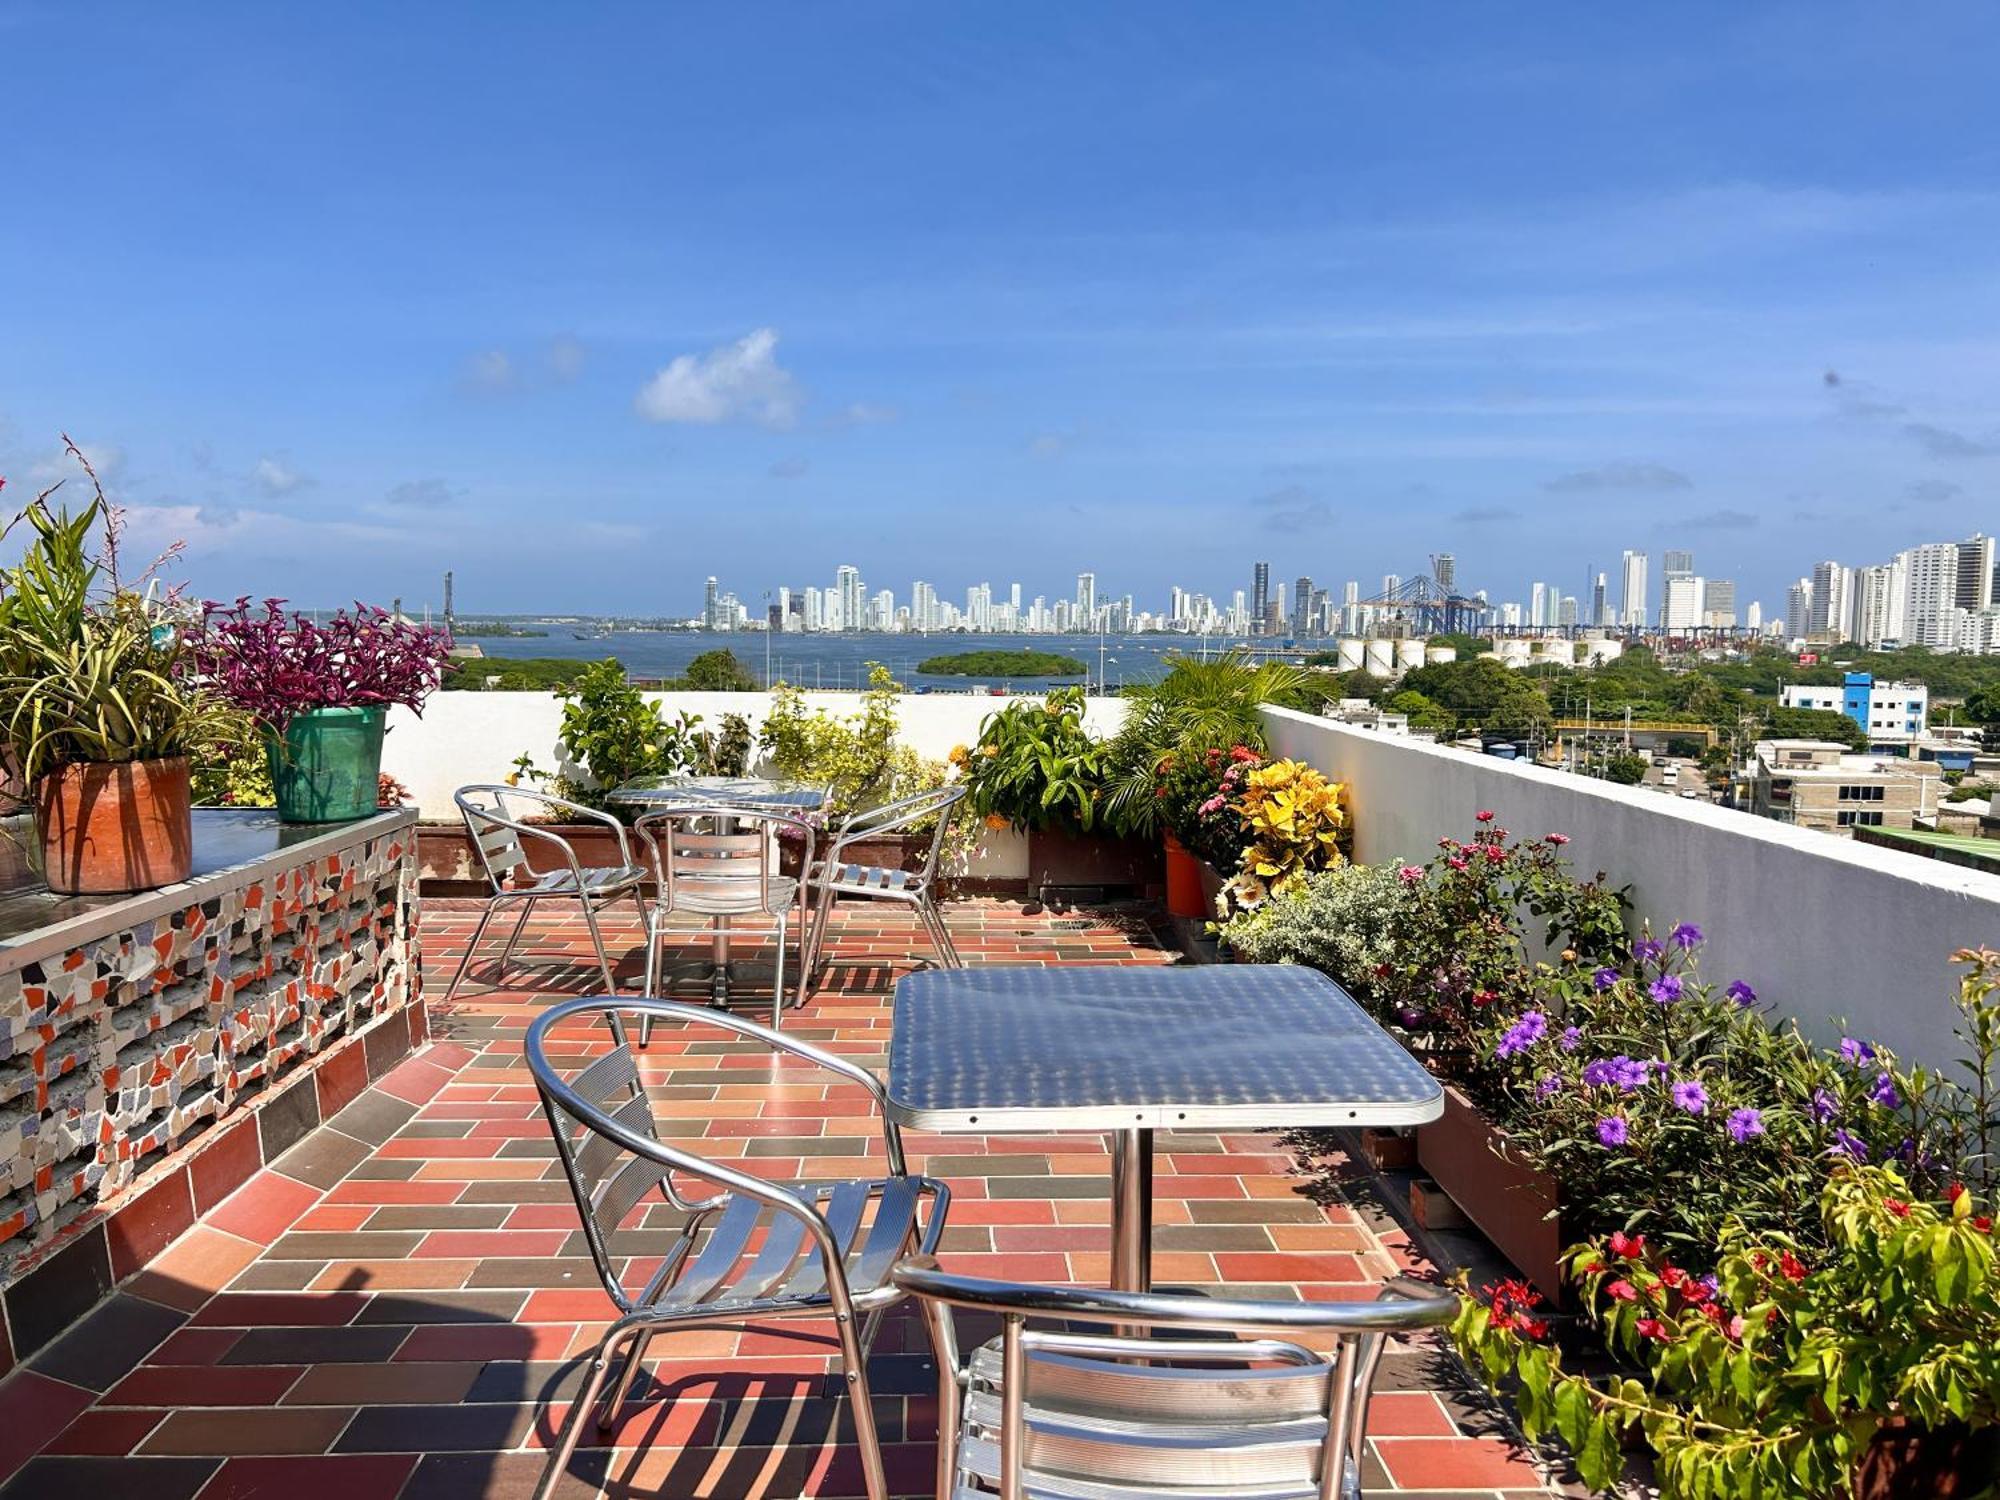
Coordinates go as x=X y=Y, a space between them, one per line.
x=133 y=1042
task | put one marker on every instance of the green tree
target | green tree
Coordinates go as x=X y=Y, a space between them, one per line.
x=1814 y=724
x=1422 y=712
x=1483 y=694
x=718 y=671
x=1626 y=770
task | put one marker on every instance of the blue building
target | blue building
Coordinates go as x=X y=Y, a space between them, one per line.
x=1891 y=714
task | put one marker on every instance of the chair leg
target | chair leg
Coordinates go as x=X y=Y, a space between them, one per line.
x=825 y=904
x=854 y=1360
x=940 y=934
x=597 y=942
x=513 y=941
x=620 y=1389
x=472 y=946
x=565 y=1449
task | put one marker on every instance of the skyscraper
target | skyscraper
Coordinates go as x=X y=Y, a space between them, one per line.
x=1260 y=592
x=1632 y=607
x=708 y=603
x=1538 y=602
x=1718 y=604
x=1681 y=601
x=1600 y=602
x=1086 y=599
x=1931 y=617
x=1676 y=562
x=1444 y=570
x=1832 y=613
x=1302 y=601
x=1975 y=573
x=853 y=599
x=1798 y=609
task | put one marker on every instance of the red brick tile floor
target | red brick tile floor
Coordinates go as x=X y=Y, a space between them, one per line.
x=395 y=1309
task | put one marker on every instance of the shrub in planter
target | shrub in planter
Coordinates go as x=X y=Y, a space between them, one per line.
x=320 y=692
x=1787 y=1371
x=1035 y=766
x=101 y=709
x=612 y=733
x=1336 y=920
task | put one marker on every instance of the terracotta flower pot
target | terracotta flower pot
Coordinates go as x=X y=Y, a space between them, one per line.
x=1183 y=881
x=1937 y=1463
x=112 y=828
x=1512 y=1200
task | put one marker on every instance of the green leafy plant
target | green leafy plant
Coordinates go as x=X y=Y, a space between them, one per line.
x=96 y=669
x=611 y=733
x=1336 y=920
x=233 y=776
x=1196 y=707
x=1774 y=1376
x=724 y=750
x=1035 y=765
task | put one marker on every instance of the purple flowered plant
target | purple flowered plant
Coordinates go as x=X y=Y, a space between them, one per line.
x=1846 y=1143
x=1855 y=1052
x=1690 y=1096
x=1824 y=1106
x=1571 y=1035
x=1686 y=936
x=1744 y=1123
x=1604 y=979
x=278 y=664
x=1523 y=1034
x=1741 y=993
x=1648 y=950
x=1666 y=989
x=1612 y=1130
x=1883 y=1092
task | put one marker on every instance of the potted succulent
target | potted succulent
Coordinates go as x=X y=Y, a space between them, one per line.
x=319 y=692
x=101 y=709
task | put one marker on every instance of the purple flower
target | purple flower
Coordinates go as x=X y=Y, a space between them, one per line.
x=1741 y=993
x=1824 y=1106
x=1744 y=1123
x=1547 y=1086
x=1570 y=1037
x=1523 y=1034
x=1884 y=1092
x=1690 y=1096
x=1856 y=1052
x=1849 y=1145
x=1648 y=950
x=1616 y=1072
x=1604 y=979
x=1665 y=990
x=1611 y=1130
x=1686 y=936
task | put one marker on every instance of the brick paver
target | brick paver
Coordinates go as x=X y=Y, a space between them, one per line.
x=395 y=1311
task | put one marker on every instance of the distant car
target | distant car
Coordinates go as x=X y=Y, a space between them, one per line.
x=1689 y=792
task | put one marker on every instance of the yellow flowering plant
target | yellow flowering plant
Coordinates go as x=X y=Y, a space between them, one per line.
x=1293 y=818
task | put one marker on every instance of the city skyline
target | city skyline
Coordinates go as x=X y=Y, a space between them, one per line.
x=1090 y=290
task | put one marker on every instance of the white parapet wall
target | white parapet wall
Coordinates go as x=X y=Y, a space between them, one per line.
x=464 y=738
x=1824 y=929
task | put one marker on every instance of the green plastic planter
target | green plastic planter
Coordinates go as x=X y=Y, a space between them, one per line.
x=326 y=766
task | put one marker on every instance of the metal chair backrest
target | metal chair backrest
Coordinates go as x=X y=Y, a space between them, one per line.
x=724 y=853
x=1116 y=1414
x=494 y=822
x=908 y=812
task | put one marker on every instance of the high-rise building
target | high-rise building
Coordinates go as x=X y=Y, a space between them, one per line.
x=1260 y=592
x=1632 y=607
x=1753 y=617
x=1798 y=608
x=1881 y=602
x=1566 y=612
x=1676 y=562
x=1975 y=573
x=710 y=620
x=1600 y=601
x=1680 y=602
x=1444 y=570
x=1086 y=599
x=1832 y=615
x=1718 y=604
x=1302 y=603
x=1931 y=609
x=852 y=605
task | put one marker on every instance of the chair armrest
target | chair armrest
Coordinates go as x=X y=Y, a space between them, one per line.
x=591 y=814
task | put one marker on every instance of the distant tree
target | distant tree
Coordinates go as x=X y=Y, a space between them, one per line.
x=1813 y=724
x=1465 y=645
x=1983 y=707
x=1421 y=711
x=718 y=671
x=1483 y=694
x=1360 y=683
x=1626 y=770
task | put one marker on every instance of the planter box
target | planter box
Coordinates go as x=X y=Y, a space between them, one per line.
x=445 y=857
x=1058 y=858
x=1512 y=1202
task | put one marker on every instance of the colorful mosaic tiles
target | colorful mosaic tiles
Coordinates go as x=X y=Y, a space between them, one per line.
x=137 y=1038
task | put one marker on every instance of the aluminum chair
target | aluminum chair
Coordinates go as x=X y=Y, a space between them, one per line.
x=827 y=1247
x=838 y=876
x=1121 y=1416
x=496 y=818
x=716 y=860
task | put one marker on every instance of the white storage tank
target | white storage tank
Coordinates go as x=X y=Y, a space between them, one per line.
x=1353 y=653
x=1409 y=655
x=1382 y=658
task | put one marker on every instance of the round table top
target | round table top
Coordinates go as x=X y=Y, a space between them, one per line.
x=722 y=791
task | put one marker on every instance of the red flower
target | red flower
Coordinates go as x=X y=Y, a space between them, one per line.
x=1622 y=1290
x=1590 y=1267
x=1983 y=1223
x=1484 y=997
x=1532 y=1328
x=1484 y=815
x=1897 y=1207
x=1793 y=1268
x=1495 y=854
x=1955 y=1192
x=1673 y=1277
x=1631 y=1246
x=1651 y=1328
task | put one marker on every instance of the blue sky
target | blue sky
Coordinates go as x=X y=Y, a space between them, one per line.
x=591 y=301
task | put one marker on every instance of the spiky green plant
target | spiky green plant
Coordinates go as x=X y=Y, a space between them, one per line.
x=91 y=671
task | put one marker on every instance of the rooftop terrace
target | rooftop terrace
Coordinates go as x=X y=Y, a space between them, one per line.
x=396 y=1307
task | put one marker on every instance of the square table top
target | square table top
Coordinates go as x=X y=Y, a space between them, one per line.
x=1198 y=1046
x=720 y=791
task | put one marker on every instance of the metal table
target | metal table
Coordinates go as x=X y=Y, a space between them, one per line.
x=1127 y=1051
x=665 y=793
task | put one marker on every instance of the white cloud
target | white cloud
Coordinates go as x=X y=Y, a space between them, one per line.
x=739 y=382
x=107 y=458
x=490 y=370
x=274 y=477
x=866 y=414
